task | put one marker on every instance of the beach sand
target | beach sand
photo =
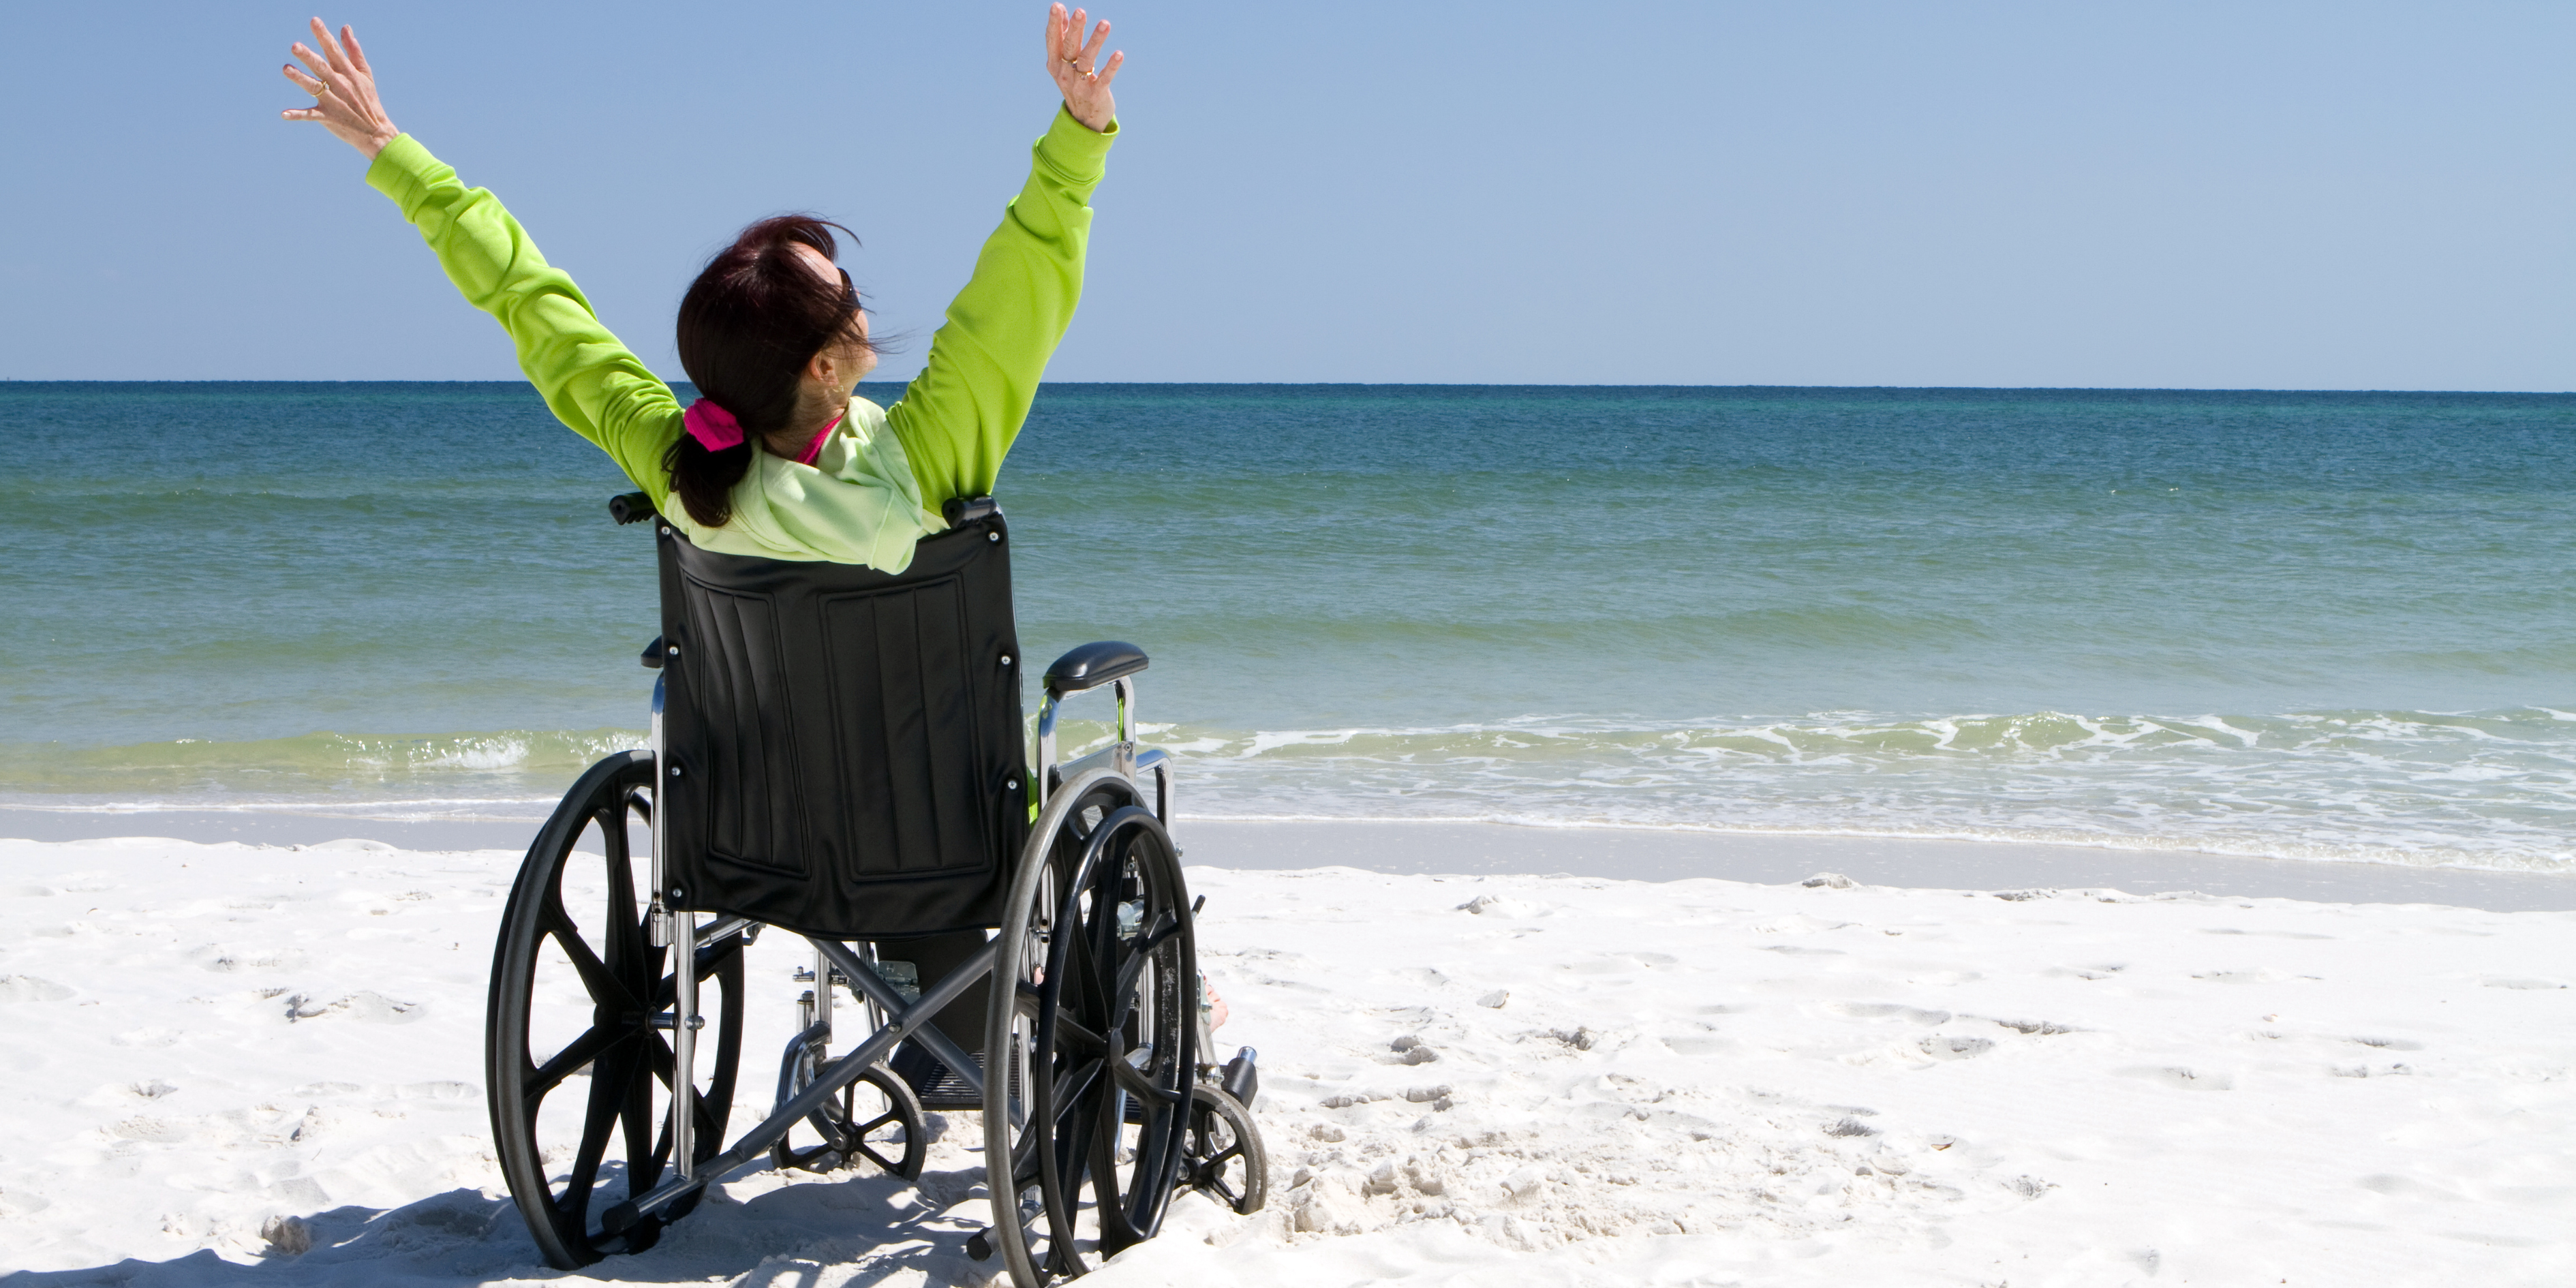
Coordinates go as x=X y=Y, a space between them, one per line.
x=1472 y=1077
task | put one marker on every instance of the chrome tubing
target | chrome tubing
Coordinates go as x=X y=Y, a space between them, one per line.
x=1160 y=761
x=684 y=1049
x=873 y=985
x=1045 y=768
x=1125 y=692
x=827 y=1083
x=657 y=916
x=822 y=1017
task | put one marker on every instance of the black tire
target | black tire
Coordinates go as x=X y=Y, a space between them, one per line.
x=1094 y=1014
x=876 y=1118
x=1224 y=1158
x=546 y=1115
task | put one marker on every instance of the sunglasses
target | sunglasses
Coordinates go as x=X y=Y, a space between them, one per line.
x=849 y=292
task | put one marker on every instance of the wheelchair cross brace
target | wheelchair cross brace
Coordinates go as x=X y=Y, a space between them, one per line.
x=909 y=1021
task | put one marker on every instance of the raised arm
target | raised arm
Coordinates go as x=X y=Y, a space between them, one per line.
x=960 y=415
x=590 y=381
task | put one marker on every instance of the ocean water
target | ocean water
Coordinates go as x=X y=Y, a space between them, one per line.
x=2307 y=625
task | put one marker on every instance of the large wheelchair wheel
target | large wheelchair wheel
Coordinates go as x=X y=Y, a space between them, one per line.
x=1085 y=1135
x=577 y=1063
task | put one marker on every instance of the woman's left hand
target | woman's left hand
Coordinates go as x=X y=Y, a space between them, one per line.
x=1079 y=70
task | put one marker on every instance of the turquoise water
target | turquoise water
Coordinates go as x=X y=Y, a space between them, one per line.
x=2299 y=624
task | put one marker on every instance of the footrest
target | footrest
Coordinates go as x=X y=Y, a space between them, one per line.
x=934 y=1084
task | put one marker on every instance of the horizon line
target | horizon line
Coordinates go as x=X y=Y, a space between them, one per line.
x=1430 y=384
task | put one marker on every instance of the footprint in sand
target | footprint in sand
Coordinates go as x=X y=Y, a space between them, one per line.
x=28 y=988
x=1889 y=1011
x=2506 y=981
x=2035 y=1028
x=2264 y=975
x=1956 y=1048
x=2184 y=1079
x=365 y=1007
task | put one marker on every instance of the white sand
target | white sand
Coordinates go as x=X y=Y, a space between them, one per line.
x=1684 y=1082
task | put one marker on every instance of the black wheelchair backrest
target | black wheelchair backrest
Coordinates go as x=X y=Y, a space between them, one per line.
x=842 y=748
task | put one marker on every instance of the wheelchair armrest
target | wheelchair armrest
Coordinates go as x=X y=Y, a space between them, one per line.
x=1089 y=666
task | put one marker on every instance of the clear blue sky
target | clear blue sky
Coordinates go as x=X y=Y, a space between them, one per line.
x=2344 y=195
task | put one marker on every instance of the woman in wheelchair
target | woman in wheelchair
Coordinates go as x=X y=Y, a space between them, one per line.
x=837 y=750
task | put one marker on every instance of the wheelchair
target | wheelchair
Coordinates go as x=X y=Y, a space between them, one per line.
x=838 y=754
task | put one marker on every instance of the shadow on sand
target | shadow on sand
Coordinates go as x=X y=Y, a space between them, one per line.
x=867 y=1226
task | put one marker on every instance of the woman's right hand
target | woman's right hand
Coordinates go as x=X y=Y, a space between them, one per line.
x=1078 y=69
x=343 y=87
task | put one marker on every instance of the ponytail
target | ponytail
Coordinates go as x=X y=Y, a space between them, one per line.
x=704 y=480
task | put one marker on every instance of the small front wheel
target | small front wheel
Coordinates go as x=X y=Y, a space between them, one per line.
x=1224 y=1158
x=876 y=1117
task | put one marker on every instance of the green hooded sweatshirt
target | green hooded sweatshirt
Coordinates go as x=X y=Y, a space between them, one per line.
x=881 y=477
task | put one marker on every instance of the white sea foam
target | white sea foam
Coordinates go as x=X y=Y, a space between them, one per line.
x=2494 y=789
x=2483 y=789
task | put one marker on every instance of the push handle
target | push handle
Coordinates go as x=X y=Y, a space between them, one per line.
x=963 y=510
x=631 y=507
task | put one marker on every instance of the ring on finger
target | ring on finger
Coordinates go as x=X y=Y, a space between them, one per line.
x=319 y=89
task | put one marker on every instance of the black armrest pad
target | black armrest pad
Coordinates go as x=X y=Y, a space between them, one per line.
x=1093 y=665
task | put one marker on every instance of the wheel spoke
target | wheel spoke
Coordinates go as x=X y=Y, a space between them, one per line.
x=659 y=1058
x=598 y=1120
x=644 y=1153
x=633 y=960
x=1071 y=1088
x=583 y=1050
x=1089 y=980
x=1082 y=1040
x=606 y=990
x=1165 y=927
x=711 y=959
x=1134 y=1082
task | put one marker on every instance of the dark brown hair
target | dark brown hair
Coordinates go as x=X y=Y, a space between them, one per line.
x=755 y=316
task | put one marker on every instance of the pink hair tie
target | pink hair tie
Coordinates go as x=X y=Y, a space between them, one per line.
x=713 y=426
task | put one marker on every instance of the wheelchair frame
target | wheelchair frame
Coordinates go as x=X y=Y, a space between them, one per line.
x=1074 y=981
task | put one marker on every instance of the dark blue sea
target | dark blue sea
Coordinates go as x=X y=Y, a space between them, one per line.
x=2327 y=625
